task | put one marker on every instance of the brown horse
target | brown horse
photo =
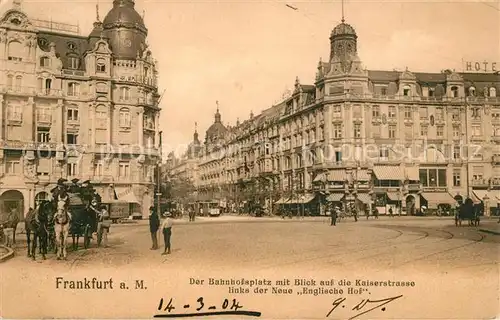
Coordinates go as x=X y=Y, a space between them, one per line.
x=36 y=223
x=12 y=222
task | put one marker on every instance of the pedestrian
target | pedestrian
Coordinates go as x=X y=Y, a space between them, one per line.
x=154 y=224
x=166 y=229
x=103 y=227
x=334 y=213
x=498 y=212
x=390 y=212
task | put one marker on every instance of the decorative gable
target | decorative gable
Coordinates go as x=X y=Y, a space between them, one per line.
x=15 y=19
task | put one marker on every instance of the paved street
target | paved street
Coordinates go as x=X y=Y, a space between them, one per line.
x=247 y=242
x=439 y=257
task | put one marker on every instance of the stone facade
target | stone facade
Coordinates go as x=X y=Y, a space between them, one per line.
x=76 y=106
x=375 y=138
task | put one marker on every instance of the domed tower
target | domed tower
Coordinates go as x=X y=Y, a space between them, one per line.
x=343 y=42
x=125 y=30
x=217 y=129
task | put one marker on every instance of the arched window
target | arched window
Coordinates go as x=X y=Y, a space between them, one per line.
x=73 y=89
x=44 y=62
x=48 y=84
x=493 y=92
x=101 y=65
x=124 y=117
x=19 y=83
x=15 y=51
x=124 y=93
x=454 y=92
x=472 y=91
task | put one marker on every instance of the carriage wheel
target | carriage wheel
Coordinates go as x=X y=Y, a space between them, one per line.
x=86 y=237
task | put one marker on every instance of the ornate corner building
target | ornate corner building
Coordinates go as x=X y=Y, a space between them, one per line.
x=77 y=106
x=371 y=138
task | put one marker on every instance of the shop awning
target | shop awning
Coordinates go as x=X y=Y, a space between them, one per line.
x=281 y=201
x=388 y=172
x=435 y=198
x=125 y=194
x=335 y=197
x=364 y=197
x=394 y=196
x=412 y=173
x=362 y=175
x=336 y=175
x=307 y=198
x=320 y=177
x=493 y=196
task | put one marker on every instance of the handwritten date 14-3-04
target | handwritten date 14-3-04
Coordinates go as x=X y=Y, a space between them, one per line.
x=365 y=306
x=202 y=308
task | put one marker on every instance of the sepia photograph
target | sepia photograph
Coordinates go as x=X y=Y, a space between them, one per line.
x=314 y=159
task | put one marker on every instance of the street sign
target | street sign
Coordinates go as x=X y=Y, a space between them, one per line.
x=158 y=193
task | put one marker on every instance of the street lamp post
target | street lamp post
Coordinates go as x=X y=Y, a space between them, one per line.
x=158 y=182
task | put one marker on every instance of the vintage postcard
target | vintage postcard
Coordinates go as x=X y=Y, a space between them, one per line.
x=335 y=159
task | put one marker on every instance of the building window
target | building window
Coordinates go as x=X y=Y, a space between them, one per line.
x=406 y=91
x=496 y=131
x=423 y=113
x=44 y=62
x=408 y=131
x=124 y=169
x=124 y=117
x=72 y=114
x=431 y=92
x=455 y=116
x=472 y=91
x=392 y=112
x=43 y=115
x=454 y=92
x=408 y=113
x=384 y=153
x=13 y=167
x=337 y=131
x=376 y=130
x=376 y=112
x=10 y=81
x=48 y=84
x=423 y=131
x=19 y=83
x=476 y=130
x=392 y=132
x=383 y=91
x=43 y=165
x=357 y=130
x=433 y=177
x=72 y=138
x=456 y=177
x=73 y=89
x=101 y=65
x=72 y=169
x=124 y=93
x=14 y=112
x=73 y=63
x=439 y=113
x=43 y=135
x=15 y=51
x=457 y=152
x=493 y=92
x=456 y=132
x=440 y=131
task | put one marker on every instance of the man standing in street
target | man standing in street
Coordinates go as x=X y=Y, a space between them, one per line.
x=334 y=213
x=154 y=224
x=166 y=229
x=103 y=227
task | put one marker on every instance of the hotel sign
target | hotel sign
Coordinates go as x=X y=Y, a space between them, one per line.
x=484 y=66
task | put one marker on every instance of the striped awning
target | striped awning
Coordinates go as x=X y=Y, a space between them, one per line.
x=491 y=196
x=435 y=198
x=336 y=175
x=335 y=197
x=364 y=197
x=388 y=172
x=394 y=196
x=362 y=175
x=412 y=173
x=281 y=201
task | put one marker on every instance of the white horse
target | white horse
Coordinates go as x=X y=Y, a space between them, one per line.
x=62 y=220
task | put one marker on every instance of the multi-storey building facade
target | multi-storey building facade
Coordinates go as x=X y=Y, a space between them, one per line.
x=77 y=106
x=374 y=138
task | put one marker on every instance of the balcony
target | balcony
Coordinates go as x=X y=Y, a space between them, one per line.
x=44 y=118
x=70 y=72
x=480 y=183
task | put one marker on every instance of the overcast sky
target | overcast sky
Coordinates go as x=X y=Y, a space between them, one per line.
x=246 y=53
